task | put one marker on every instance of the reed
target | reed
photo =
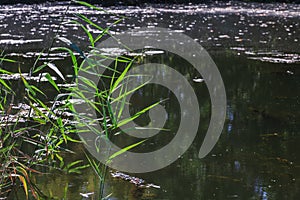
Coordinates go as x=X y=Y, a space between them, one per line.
x=45 y=128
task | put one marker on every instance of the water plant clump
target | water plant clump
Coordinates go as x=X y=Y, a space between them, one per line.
x=36 y=130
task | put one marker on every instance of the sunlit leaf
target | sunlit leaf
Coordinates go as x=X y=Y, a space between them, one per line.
x=54 y=68
x=22 y=179
x=51 y=81
x=124 y=150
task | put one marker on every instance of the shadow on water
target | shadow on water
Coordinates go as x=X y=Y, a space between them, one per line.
x=256 y=48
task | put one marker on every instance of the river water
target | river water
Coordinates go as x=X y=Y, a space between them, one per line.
x=256 y=48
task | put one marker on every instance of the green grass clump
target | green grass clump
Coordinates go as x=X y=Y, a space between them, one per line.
x=34 y=138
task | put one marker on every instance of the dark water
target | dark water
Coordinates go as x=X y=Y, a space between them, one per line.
x=256 y=48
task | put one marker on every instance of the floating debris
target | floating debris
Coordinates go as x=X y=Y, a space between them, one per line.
x=86 y=195
x=224 y=36
x=134 y=180
x=198 y=80
x=269 y=135
x=154 y=52
x=275 y=60
x=23 y=112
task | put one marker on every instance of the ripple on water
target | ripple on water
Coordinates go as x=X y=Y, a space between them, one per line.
x=40 y=78
x=12 y=41
x=232 y=24
x=269 y=56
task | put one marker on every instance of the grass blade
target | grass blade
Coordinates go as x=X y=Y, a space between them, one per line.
x=54 y=68
x=124 y=150
x=52 y=82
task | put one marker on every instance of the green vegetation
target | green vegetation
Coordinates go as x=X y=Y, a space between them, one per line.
x=34 y=136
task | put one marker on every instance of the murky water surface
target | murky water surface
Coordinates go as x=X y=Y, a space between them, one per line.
x=256 y=48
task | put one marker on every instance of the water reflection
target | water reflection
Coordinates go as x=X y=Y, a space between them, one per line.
x=249 y=27
x=255 y=46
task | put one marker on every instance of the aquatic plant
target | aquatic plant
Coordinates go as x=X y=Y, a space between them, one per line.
x=35 y=131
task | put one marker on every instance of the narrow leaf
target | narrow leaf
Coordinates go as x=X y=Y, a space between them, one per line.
x=54 y=68
x=124 y=150
x=51 y=81
x=22 y=179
